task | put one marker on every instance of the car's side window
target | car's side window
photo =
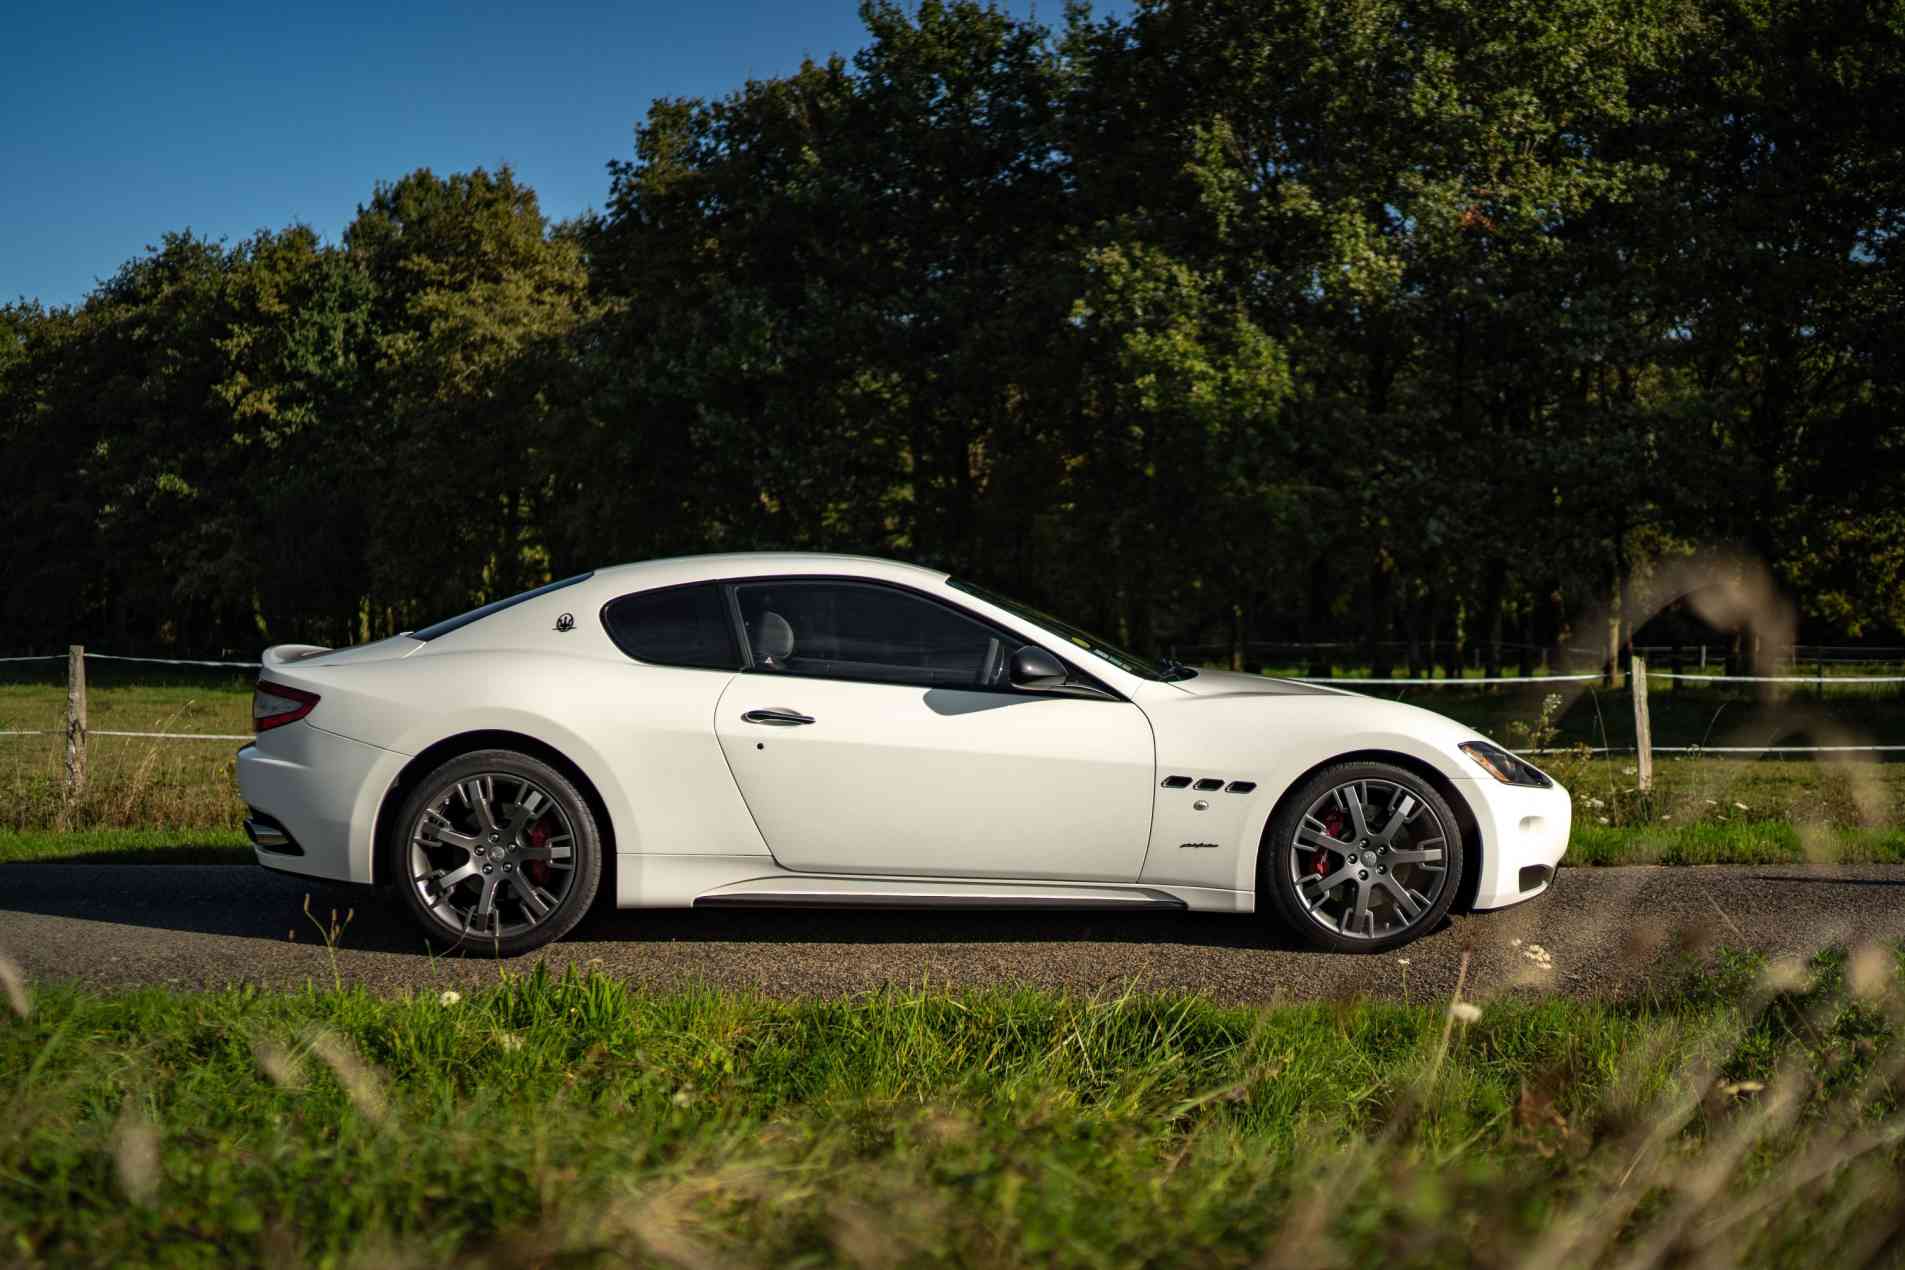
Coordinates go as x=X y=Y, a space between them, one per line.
x=675 y=626
x=848 y=630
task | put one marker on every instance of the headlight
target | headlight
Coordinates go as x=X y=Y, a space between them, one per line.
x=1503 y=766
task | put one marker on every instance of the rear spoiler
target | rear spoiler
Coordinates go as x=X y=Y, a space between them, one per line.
x=285 y=654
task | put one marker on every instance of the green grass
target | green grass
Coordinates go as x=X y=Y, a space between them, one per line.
x=124 y=846
x=576 y=1120
x=1741 y=842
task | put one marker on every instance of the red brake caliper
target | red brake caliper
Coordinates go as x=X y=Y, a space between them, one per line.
x=538 y=870
x=1333 y=823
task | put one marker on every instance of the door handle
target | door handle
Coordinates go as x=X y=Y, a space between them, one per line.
x=777 y=717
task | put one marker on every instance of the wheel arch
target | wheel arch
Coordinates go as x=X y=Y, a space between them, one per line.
x=433 y=756
x=1466 y=821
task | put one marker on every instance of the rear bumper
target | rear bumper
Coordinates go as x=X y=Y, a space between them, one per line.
x=319 y=793
x=1524 y=835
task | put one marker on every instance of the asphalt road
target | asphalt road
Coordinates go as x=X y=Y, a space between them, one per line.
x=1603 y=930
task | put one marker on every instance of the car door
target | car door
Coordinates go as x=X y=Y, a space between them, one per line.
x=874 y=732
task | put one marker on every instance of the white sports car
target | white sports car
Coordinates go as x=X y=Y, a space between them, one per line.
x=782 y=729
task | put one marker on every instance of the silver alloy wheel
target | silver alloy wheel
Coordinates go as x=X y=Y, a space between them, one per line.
x=492 y=855
x=1370 y=859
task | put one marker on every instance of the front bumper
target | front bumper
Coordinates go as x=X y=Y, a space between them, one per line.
x=1524 y=835
x=321 y=792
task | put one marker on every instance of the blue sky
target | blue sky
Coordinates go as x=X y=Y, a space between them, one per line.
x=127 y=120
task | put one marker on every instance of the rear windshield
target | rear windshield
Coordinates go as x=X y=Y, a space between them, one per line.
x=461 y=620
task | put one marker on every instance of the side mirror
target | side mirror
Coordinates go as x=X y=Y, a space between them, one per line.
x=1033 y=667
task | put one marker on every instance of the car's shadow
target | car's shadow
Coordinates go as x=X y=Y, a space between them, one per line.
x=930 y=926
x=257 y=904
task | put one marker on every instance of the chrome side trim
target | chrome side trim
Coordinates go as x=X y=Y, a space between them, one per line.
x=1004 y=897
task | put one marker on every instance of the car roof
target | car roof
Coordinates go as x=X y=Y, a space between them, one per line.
x=743 y=564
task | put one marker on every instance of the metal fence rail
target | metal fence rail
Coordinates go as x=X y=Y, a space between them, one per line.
x=77 y=732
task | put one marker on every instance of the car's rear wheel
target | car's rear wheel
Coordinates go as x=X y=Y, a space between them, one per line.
x=495 y=851
x=1362 y=857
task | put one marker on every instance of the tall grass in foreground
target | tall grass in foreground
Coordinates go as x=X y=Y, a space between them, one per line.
x=1753 y=1116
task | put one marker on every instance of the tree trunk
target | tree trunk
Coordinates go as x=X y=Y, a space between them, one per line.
x=1457 y=645
x=1382 y=580
x=1494 y=584
x=1412 y=622
x=1611 y=670
x=1317 y=629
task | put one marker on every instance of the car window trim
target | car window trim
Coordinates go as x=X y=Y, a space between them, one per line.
x=1093 y=688
x=737 y=646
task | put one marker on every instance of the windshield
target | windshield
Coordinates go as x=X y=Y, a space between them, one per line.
x=1130 y=663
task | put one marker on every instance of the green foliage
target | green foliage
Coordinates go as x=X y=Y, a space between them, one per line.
x=1452 y=324
x=569 y=1117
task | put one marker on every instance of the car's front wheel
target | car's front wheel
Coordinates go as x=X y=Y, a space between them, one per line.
x=495 y=851
x=1363 y=857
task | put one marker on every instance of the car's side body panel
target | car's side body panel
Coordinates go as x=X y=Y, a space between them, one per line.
x=905 y=780
x=1270 y=740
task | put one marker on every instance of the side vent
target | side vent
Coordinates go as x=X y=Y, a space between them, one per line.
x=1175 y=782
x=1209 y=783
x=1240 y=787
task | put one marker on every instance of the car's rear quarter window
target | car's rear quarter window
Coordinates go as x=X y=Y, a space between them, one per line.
x=679 y=626
x=461 y=620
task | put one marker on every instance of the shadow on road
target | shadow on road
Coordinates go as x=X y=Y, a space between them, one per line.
x=255 y=903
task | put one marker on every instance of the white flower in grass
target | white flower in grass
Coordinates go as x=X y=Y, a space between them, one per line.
x=1786 y=974
x=450 y=997
x=1402 y=961
x=1604 y=820
x=510 y=1042
x=1514 y=943
x=1713 y=802
x=1742 y=806
x=1629 y=771
x=1870 y=970
x=1463 y=1012
x=1668 y=816
x=13 y=983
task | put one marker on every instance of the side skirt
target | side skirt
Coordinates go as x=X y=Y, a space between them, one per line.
x=840 y=893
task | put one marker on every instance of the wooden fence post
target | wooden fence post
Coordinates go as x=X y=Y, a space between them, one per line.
x=1643 y=728
x=75 y=720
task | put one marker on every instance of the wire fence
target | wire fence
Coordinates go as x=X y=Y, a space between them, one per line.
x=76 y=730
x=1820 y=657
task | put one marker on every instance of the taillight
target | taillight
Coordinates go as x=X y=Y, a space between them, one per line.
x=274 y=705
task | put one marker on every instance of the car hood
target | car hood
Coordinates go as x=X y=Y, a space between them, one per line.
x=1228 y=683
x=1217 y=687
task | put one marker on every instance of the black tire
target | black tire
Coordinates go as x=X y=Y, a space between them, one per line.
x=514 y=863
x=1325 y=917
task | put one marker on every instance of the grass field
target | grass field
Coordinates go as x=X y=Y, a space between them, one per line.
x=1751 y=1116
x=133 y=783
